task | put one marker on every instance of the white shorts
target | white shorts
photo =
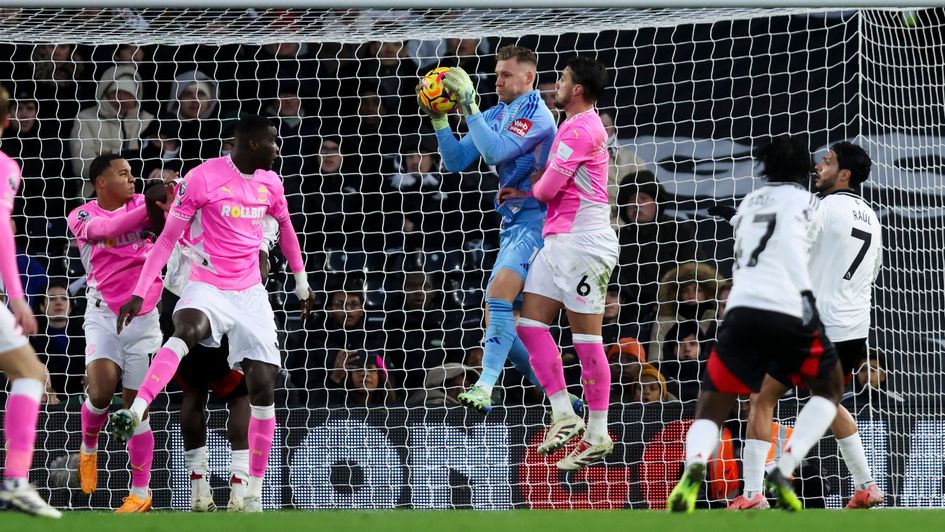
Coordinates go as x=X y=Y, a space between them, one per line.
x=11 y=337
x=130 y=350
x=575 y=269
x=245 y=317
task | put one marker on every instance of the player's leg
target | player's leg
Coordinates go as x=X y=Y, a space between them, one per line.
x=757 y=445
x=191 y=325
x=102 y=377
x=260 y=383
x=237 y=429
x=27 y=378
x=140 y=454
x=193 y=430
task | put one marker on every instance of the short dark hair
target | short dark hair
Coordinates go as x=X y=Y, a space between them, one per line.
x=786 y=159
x=519 y=53
x=590 y=74
x=100 y=164
x=4 y=104
x=252 y=127
x=853 y=158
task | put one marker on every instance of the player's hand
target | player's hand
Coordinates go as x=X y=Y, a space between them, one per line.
x=458 y=81
x=23 y=315
x=508 y=193
x=439 y=120
x=128 y=311
x=809 y=314
x=308 y=303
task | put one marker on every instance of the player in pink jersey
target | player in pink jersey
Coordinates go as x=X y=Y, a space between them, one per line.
x=223 y=201
x=573 y=269
x=18 y=361
x=111 y=232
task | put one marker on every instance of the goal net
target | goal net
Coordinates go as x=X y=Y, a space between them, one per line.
x=399 y=249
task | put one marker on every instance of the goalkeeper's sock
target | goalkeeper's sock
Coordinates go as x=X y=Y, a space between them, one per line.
x=518 y=355
x=753 y=465
x=544 y=354
x=812 y=422
x=140 y=456
x=500 y=336
x=851 y=449
x=162 y=370
x=195 y=460
x=93 y=419
x=19 y=426
x=262 y=429
x=701 y=441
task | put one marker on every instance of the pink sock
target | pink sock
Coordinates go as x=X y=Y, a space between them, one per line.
x=162 y=370
x=595 y=372
x=544 y=355
x=140 y=454
x=92 y=424
x=262 y=429
x=19 y=426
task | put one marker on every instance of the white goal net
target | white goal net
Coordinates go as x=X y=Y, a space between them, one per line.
x=399 y=249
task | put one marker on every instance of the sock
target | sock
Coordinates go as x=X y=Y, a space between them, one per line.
x=701 y=441
x=519 y=358
x=19 y=427
x=753 y=466
x=196 y=461
x=560 y=405
x=140 y=455
x=93 y=419
x=595 y=371
x=262 y=429
x=544 y=355
x=500 y=336
x=596 y=427
x=812 y=422
x=162 y=370
x=851 y=449
x=239 y=464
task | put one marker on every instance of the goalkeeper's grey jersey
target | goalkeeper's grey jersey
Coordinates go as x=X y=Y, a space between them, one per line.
x=775 y=227
x=845 y=261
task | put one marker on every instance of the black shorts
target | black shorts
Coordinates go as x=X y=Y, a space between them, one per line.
x=850 y=353
x=755 y=342
x=204 y=369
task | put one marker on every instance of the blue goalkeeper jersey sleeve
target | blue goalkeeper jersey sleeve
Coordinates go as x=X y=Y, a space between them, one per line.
x=516 y=139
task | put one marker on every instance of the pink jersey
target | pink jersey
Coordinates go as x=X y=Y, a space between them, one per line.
x=224 y=209
x=113 y=245
x=9 y=183
x=574 y=184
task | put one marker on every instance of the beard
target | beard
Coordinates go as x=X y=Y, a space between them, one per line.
x=560 y=103
x=824 y=184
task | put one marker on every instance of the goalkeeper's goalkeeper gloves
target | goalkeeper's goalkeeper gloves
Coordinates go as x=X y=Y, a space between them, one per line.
x=809 y=314
x=458 y=81
x=439 y=120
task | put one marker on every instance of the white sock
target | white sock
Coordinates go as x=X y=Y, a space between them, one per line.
x=561 y=405
x=485 y=387
x=196 y=461
x=701 y=441
x=812 y=422
x=254 y=488
x=139 y=406
x=139 y=491
x=851 y=449
x=754 y=454
x=239 y=465
x=596 y=426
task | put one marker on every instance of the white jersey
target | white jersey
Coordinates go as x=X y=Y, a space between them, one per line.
x=182 y=257
x=845 y=261
x=775 y=228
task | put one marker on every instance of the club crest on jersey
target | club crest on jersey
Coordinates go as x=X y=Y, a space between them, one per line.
x=236 y=211
x=83 y=215
x=520 y=126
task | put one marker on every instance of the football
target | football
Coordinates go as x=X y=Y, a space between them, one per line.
x=433 y=94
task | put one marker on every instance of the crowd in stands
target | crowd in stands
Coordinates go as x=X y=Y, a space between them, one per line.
x=398 y=248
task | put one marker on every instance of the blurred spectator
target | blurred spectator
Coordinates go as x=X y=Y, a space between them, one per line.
x=651 y=387
x=296 y=128
x=626 y=361
x=371 y=139
x=651 y=242
x=60 y=340
x=195 y=105
x=868 y=387
x=443 y=385
x=365 y=383
x=684 y=360
x=614 y=326
x=725 y=288
x=386 y=66
x=33 y=276
x=622 y=162
x=418 y=334
x=158 y=159
x=548 y=91
x=116 y=121
x=62 y=82
x=687 y=293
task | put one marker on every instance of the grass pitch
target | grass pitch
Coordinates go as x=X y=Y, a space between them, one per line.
x=516 y=521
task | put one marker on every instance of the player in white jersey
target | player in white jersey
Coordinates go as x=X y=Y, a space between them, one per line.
x=845 y=261
x=770 y=324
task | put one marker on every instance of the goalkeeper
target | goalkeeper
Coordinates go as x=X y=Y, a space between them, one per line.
x=514 y=137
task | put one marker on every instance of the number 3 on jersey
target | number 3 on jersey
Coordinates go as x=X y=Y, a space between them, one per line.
x=769 y=220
